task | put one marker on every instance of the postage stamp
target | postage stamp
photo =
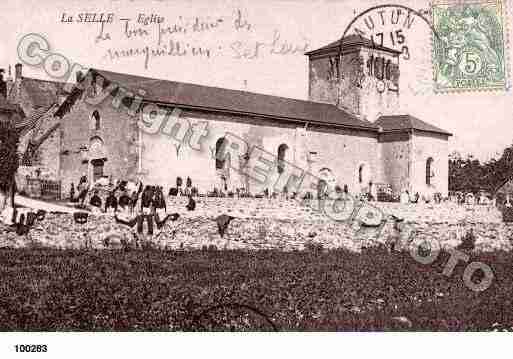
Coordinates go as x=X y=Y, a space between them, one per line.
x=470 y=52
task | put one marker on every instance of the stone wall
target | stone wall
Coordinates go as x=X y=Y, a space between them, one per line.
x=395 y=159
x=378 y=97
x=49 y=151
x=286 y=225
x=323 y=83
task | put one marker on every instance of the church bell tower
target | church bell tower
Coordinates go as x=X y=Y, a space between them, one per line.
x=357 y=76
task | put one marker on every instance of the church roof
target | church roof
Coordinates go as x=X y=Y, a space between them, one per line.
x=351 y=41
x=217 y=99
x=406 y=123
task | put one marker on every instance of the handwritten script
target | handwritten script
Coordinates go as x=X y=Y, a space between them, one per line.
x=151 y=36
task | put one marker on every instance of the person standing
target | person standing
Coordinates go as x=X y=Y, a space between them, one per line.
x=72 y=192
x=159 y=204
x=111 y=203
x=83 y=188
x=146 y=211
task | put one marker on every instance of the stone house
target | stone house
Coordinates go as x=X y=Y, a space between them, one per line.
x=40 y=138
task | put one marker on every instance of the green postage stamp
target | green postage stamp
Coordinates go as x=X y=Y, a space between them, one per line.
x=469 y=53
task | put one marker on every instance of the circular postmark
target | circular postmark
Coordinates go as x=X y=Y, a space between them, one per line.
x=389 y=26
x=392 y=33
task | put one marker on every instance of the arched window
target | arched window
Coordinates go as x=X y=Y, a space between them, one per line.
x=429 y=170
x=95 y=118
x=388 y=70
x=220 y=147
x=360 y=174
x=379 y=65
x=282 y=149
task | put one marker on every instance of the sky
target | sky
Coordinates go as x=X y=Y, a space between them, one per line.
x=257 y=47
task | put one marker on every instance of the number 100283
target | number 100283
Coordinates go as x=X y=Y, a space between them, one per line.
x=31 y=348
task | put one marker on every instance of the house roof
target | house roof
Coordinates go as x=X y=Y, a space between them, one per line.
x=43 y=93
x=351 y=41
x=399 y=123
x=200 y=97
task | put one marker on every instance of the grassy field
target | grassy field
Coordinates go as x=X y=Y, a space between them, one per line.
x=43 y=289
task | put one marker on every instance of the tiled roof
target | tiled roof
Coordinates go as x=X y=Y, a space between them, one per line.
x=234 y=101
x=351 y=41
x=42 y=93
x=406 y=123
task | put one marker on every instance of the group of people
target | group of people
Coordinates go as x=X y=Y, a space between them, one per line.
x=21 y=219
x=123 y=197
x=130 y=203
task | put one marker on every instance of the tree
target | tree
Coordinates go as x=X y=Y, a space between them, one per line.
x=469 y=175
x=9 y=139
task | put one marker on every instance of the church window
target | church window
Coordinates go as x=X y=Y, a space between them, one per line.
x=429 y=170
x=370 y=64
x=379 y=64
x=220 y=146
x=282 y=149
x=388 y=70
x=95 y=119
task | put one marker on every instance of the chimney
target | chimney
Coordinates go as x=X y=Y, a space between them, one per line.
x=17 y=71
x=79 y=75
x=3 y=85
x=9 y=82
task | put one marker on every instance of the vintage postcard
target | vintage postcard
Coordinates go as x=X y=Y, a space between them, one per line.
x=271 y=166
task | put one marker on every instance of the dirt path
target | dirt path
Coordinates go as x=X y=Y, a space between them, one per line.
x=37 y=204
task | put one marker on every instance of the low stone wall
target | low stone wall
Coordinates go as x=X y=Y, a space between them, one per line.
x=264 y=224
x=308 y=211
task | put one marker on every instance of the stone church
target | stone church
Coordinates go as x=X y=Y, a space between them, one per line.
x=349 y=132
